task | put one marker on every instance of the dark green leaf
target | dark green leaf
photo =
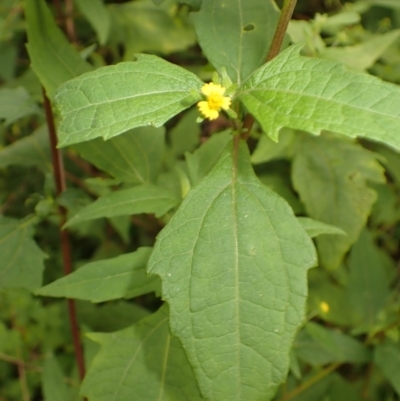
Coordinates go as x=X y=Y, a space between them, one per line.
x=387 y=358
x=236 y=35
x=312 y=95
x=140 y=199
x=330 y=175
x=121 y=277
x=233 y=262
x=135 y=156
x=368 y=284
x=113 y=99
x=53 y=381
x=21 y=259
x=33 y=150
x=53 y=59
x=142 y=362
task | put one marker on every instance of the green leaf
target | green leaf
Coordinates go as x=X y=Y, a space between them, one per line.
x=315 y=228
x=15 y=104
x=113 y=99
x=313 y=95
x=330 y=174
x=121 y=277
x=236 y=35
x=96 y=13
x=140 y=199
x=185 y=136
x=142 y=27
x=363 y=55
x=268 y=150
x=318 y=345
x=368 y=283
x=203 y=159
x=233 y=262
x=387 y=358
x=53 y=381
x=53 y=59
x=142 y=362
x=33 y=150
x=21 y=259
x=135 y=156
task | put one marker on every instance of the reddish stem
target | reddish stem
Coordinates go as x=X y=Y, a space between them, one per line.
x=59 y=177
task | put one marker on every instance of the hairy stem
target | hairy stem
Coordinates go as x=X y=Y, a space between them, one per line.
x=59 y=177
x=279 y=36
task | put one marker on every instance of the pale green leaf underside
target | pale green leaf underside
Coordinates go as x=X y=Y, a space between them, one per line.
x=142 y=362
x=121 y=277
x=315 y=228
x=135 y=156
x=233 y=262
x=21 y=259
x=139 y=199
x=236 y=34
x=313 y=94
x=113 y=99
x=330 y=174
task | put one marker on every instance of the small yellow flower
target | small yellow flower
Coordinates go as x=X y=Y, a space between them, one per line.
x=324 y=307
x=215 y=100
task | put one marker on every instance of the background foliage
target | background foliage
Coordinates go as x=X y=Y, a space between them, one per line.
x=344 y=193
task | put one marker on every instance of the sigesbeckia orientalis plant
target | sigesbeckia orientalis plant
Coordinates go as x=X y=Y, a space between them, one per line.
x=232 y=258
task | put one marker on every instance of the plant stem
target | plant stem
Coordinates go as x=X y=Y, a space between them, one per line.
x=279 y=36
x=316 y=378
x=59 y=177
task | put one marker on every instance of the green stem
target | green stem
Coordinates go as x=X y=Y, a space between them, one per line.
x=279 y=36
x=307 y=384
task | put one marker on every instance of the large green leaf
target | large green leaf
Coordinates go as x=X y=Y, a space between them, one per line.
x=21 y=259
x=313 y=94
x=142 y=362
x=368 y=282
x=233 y=262
x=135 y=156
x=121 y=277
x=53 y=59
x=330 y=175
x=140 y=199
x=236 y=35
x=113 y=99
x=33 y=150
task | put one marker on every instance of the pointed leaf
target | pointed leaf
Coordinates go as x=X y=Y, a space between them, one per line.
x=233 y=261
x=121 y=277
x=368 y=282
x=21 y=259
x=140 y=199
x=49 y=50
x=113 y=99
x=33 y=150
x=142 y=362
x=135 y=156
x=236 y=35
x=330 y=175
x=315 y=228
x=313 y=95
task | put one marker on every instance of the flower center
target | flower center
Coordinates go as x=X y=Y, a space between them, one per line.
x=215 y=101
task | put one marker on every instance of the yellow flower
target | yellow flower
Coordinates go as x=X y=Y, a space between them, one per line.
x=324 y=307
x=215 y=100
